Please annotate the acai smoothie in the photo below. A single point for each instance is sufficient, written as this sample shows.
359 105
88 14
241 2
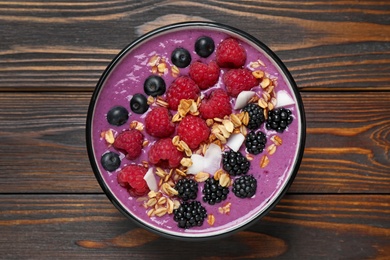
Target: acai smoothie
195 130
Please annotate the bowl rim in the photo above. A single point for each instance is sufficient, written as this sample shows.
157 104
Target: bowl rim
157 31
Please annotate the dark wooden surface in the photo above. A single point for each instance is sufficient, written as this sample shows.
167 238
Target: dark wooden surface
51 56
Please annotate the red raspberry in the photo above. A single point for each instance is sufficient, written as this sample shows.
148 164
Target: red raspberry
182 88
158 122
230 54
164 154
193 131
237 80
130 143
131 177
217 105
204 75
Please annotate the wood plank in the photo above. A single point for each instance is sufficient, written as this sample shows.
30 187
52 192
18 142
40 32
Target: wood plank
43 143
67 45
87 226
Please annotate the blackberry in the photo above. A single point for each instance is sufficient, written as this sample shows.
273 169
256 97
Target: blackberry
255 142
187 189
235 163
256 115
189 214
279 119
213 192
245 186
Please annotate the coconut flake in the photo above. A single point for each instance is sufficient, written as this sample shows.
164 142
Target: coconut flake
243 98
283 99
151 180
209 163
235 141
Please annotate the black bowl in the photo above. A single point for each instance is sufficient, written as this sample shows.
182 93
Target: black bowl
125 76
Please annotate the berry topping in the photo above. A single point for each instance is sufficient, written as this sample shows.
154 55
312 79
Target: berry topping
182 88
164 154
158 122
154 86
279 119
181 57
235 163
132 178
255 142
230 54
130 143
216 106
256 115
213 192
193 131
245 186
139 104
187 189
110 161
204 46
204 75
117 116
189 214
237 80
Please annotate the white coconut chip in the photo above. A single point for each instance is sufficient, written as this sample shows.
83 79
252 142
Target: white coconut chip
151 180
243 98
283 99
209 163
235 141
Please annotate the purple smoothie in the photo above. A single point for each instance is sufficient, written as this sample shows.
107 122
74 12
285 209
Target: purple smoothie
126 79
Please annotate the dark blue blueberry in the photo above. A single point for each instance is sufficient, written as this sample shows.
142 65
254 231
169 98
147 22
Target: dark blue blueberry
117 115
204 46
110 161
154 86
181 57
139 104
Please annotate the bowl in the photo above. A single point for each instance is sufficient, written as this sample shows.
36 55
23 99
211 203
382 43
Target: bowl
195 130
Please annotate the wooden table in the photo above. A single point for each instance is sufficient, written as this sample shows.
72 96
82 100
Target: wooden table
52 54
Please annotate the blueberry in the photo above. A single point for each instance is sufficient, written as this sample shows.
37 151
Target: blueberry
181 57
139 104
204 46
154 86
110 161
117 116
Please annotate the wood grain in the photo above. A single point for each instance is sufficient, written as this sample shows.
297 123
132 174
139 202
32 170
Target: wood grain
61 46
82 226
43 143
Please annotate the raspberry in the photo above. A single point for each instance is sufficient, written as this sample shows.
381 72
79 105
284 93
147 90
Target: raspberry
193 131
182 88
131 177
237 80
230 54
158 122
216 106
164 154
204 75
130 143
